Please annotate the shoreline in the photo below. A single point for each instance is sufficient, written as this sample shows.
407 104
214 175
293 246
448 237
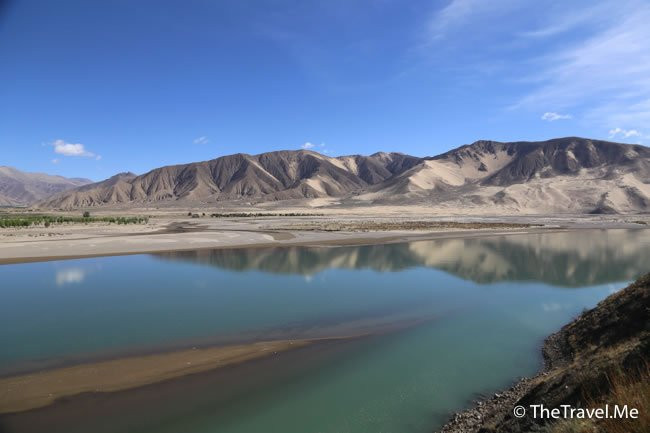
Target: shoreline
195 240
333 241
473 418
584 362
165 232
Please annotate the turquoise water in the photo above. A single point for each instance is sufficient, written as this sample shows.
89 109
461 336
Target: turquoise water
451 319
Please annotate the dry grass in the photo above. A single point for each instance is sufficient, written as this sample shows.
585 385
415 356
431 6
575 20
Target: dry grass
632 390
572 426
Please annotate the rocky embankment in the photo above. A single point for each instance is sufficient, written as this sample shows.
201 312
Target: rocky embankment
601 357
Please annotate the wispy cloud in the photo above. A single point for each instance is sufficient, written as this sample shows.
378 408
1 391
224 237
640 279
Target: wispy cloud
201 140
55 161
558 22
459 12
552 117
606 75
452 14
73 149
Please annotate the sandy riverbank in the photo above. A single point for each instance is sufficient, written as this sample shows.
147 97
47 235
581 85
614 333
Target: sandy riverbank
174 232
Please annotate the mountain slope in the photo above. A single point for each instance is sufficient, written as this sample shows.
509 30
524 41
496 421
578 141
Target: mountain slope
560 175
269 176
564 175
18 188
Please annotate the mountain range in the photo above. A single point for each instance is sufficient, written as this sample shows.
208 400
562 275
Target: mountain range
18 188
564 175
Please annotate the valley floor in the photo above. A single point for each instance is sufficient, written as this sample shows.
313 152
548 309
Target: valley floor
175 231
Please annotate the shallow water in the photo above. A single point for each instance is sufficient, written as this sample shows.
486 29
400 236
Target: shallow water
451 319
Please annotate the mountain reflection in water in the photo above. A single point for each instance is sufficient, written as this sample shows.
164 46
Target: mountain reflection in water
569 259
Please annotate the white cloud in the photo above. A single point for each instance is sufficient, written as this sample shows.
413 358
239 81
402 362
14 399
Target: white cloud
551 116
625 133
55 161
201 140
309 145
72 149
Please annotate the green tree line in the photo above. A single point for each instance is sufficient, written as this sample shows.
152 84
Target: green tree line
48 220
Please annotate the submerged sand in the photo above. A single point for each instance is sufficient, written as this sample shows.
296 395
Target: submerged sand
26 391
34 390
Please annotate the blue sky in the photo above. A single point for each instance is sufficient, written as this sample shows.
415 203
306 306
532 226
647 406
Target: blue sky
95 88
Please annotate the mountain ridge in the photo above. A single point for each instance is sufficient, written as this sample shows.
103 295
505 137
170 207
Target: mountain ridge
19 188
507 176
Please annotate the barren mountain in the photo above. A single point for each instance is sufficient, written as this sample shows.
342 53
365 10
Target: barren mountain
565 175
19 189
268 176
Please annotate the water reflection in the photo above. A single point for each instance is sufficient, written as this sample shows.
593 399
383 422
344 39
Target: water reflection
69 276
425 329
573 259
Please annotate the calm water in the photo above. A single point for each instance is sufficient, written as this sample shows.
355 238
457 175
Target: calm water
452 318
